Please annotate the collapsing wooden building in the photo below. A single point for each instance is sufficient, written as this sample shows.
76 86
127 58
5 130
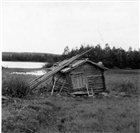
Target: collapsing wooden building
76 76
81 76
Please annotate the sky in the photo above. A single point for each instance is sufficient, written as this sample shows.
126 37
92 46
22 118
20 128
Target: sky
49 27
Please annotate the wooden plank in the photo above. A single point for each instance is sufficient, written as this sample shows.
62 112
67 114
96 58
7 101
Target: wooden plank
62 86
36 84
95 80
97 88
87 90
78 80
101 88
36 79
95 83
79 93
103 77
92 82
53 87
86 82
90 76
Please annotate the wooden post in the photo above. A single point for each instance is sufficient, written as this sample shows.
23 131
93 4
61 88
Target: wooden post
85 76
54 81
103 77
92 92
62 86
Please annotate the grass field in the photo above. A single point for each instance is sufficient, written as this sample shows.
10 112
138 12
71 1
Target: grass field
42 113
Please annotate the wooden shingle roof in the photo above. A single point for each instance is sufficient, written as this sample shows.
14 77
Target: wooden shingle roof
78 63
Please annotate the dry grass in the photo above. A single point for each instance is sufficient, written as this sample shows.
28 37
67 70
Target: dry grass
127 81
28 117
40 114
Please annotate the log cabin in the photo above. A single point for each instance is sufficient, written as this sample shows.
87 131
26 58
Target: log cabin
75 76
82 76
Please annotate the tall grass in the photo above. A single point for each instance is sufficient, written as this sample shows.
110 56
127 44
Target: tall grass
15 86
128 87
52 114
123 81
29 119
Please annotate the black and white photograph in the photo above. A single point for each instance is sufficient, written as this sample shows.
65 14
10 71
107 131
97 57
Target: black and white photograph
70 66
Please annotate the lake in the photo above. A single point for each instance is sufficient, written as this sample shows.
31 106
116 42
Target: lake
12 64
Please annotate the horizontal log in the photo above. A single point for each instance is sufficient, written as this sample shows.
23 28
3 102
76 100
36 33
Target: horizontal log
79 93
99 88
97 91
94 79
89 76
95 83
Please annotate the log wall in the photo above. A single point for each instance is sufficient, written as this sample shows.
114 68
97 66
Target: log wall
94 77
63 82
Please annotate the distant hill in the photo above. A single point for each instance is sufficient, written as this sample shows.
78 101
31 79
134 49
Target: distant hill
29 56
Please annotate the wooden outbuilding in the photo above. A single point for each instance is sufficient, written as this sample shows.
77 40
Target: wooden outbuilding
75 76
82 76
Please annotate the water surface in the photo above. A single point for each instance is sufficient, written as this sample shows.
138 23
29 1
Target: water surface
12 64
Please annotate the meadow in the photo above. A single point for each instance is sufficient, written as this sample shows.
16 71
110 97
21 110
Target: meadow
41 113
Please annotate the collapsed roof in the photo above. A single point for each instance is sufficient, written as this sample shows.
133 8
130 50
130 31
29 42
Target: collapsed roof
78 63
63 66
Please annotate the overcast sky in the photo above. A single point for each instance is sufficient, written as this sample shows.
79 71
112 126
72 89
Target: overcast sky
51 26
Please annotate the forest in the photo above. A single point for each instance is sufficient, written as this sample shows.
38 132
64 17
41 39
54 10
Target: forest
111 57
29 57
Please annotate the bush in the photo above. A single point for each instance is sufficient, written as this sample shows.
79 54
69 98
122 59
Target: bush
15 86
48 65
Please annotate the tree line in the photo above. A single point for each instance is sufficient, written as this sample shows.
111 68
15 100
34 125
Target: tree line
30 57
111 57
